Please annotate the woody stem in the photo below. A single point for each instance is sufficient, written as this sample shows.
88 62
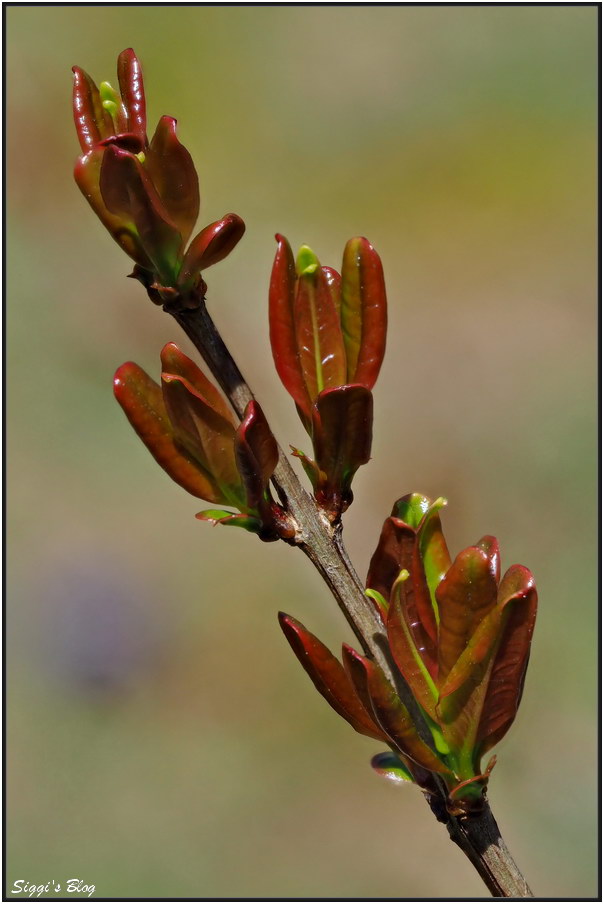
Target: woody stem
478 837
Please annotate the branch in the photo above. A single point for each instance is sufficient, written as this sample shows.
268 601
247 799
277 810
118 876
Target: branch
477 836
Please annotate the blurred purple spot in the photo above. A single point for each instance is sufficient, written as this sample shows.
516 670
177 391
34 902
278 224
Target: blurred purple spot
100 627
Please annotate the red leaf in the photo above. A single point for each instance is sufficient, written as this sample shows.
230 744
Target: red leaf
319 341
174 176
393 553
328 676
342 433
130 78
128 191
205 434
92 121
174 361
282 327
491 546
210 246
142 402
519 597
334 284
87 174
257 454
363 312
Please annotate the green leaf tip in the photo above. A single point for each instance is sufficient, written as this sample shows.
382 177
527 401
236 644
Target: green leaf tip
411 509
307 261
403 576
378 598
390 766
109 98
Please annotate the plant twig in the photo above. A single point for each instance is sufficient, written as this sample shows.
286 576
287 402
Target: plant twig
478 836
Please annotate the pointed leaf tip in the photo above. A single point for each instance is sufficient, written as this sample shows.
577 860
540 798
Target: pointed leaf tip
210 246
307 261
328 676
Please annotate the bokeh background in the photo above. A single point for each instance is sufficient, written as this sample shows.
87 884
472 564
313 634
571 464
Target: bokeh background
163 740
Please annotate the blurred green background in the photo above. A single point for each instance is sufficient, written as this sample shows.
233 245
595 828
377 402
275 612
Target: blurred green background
163 740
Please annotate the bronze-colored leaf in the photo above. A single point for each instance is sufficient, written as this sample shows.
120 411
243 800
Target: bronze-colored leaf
130 78
142 401
328 676
256 453
519 599
464 596
205 434
363 312
319 341
174 176
174 361
282 326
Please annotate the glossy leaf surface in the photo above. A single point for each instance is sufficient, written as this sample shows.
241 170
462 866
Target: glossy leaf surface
363 312
173 174
130 78
394 548
92 121
282 325
342 433
491 546
128 191
519 595
147 195
210 246
411 509
408 655
318 334
390 766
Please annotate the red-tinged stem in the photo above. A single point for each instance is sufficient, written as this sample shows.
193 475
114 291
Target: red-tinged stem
478 836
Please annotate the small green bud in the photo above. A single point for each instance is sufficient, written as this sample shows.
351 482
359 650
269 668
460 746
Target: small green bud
109 99
402 577
307 261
